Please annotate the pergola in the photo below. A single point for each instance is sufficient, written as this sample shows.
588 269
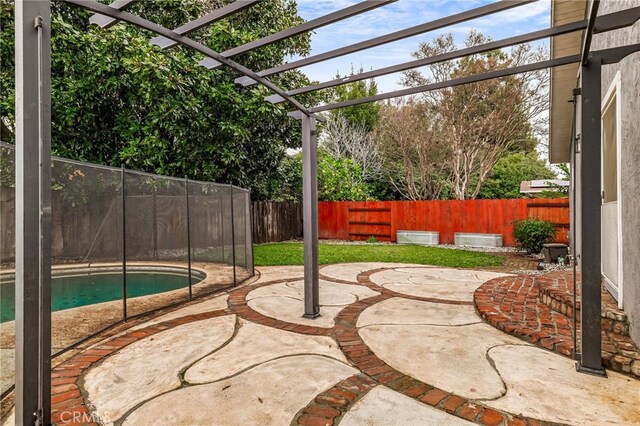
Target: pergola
33 150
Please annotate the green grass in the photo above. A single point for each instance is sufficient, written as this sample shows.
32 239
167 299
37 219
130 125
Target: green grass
292 254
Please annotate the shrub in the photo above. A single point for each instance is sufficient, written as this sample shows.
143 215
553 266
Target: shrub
372 240
532 234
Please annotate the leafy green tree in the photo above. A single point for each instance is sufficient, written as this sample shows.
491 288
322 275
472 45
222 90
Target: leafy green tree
341 180
565 171
510 171
555 190
360 115
289 184
118 99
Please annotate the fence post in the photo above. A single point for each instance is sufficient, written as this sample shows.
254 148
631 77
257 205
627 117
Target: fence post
124 245
248 237
221 205
186 186
233 237
155 225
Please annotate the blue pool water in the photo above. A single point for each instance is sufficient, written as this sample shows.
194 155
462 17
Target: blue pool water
75 291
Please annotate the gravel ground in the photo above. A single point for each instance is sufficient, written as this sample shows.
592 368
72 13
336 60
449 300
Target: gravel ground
482 249
448 246
350 243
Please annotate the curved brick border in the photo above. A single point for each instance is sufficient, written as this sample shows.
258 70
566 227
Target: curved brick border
328 407
555 293
66 399
512 304
363 358
364 278
239 305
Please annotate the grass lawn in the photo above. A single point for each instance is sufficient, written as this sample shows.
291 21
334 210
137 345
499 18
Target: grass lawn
292 254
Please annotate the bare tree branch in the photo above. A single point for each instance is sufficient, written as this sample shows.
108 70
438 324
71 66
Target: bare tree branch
342 139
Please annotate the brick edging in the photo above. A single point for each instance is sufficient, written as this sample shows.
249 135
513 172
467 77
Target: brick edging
328 407
364 278
239 305
364 359
66 399
512 304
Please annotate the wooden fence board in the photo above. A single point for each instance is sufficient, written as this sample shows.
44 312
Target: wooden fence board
276 221
382 219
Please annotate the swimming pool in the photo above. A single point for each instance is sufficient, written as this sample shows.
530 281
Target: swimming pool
72 291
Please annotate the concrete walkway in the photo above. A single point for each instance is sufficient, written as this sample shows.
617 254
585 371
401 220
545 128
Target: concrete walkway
395 345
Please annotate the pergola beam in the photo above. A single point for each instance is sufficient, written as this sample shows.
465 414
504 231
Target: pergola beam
208 19
104 21
616 20
437 24
602 24
456 54
452 83
616 54
586 40
322 21
100 8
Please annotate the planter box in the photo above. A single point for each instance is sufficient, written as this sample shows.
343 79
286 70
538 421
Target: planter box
477 240
423 238
553 251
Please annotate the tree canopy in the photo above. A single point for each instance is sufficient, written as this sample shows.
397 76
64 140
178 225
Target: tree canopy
365 115
510 171
339 179
482 121
116 99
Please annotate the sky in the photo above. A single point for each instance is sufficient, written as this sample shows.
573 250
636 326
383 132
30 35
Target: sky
400 15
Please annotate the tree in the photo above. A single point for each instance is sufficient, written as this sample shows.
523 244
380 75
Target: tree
343 139
510 171
414 151
339 179
365 115
117 99
484 120
289 184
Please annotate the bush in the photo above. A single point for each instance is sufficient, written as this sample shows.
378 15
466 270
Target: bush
532 234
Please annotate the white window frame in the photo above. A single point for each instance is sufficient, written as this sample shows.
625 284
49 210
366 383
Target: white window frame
615 90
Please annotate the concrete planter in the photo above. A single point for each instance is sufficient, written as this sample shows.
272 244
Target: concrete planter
423 238
477 240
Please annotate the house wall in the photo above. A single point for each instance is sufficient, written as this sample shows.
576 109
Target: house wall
630 159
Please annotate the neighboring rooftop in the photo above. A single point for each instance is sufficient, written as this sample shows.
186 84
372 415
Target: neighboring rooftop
538 186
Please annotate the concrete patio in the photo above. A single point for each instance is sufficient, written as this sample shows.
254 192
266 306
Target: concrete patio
396 344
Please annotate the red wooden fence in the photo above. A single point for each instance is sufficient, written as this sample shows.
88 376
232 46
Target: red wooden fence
382 219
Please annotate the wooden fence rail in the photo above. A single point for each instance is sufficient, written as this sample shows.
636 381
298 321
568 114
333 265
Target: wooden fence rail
382 219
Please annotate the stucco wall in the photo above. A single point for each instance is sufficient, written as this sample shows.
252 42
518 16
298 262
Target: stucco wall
630 159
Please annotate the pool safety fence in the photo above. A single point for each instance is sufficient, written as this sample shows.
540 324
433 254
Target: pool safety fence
160 241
